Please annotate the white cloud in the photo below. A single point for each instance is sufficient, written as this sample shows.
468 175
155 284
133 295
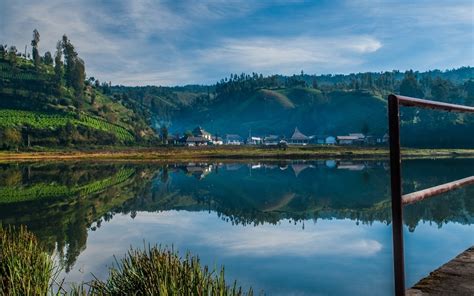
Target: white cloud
290 55
335 237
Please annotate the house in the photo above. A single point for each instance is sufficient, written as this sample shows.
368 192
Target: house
370 140
200 132
217 141
320 140
330 140
298 138
233 140
196 141
271 140
200 171
172 139
347 140
358 135
254 140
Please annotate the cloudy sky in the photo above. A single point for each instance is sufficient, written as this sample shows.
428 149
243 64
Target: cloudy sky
143 42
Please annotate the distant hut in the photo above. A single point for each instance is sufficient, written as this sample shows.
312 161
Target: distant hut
200 132
298 138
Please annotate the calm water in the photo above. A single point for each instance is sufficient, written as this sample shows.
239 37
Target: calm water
289 228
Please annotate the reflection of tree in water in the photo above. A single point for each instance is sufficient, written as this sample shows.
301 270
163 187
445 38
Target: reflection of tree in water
238 194
365 198
61 223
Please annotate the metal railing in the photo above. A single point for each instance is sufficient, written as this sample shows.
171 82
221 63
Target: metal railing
398 199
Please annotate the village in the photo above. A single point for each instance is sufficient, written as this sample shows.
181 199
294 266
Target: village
200 137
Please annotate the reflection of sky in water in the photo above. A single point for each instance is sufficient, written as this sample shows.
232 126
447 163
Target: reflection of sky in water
336 257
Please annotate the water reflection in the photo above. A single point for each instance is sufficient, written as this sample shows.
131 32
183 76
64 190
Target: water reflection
63 203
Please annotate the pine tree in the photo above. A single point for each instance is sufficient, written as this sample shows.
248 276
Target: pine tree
34 45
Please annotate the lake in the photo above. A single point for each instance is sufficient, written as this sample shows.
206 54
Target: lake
284 228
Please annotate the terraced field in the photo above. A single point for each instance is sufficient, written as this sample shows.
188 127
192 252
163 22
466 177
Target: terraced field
47 191
43 120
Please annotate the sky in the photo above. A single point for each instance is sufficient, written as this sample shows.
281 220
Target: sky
145 42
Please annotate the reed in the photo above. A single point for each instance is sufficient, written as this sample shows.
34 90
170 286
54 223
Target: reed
160 271
25 269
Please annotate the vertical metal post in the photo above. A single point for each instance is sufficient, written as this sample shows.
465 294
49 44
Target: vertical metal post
396 186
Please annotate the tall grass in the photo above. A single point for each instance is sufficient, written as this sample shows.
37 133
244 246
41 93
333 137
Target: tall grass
25 269
160 271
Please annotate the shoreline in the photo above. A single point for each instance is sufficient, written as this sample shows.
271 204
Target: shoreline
231 153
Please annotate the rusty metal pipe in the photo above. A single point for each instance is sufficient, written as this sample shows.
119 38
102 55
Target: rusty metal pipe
396 189
429 192
414 102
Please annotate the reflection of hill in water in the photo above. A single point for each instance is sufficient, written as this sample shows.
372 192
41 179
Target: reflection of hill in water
248 194
61 218
258 193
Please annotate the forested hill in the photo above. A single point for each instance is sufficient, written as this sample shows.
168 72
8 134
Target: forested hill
48 101
317 105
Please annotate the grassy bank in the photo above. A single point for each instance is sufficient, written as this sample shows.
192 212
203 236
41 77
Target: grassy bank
225 152
26 269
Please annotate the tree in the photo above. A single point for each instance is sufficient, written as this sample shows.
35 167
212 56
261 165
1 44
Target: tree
48 59
365 128
58 66
34 45
11 137
70 58
440 89
164 134
3 52
12 54
78 78
410 86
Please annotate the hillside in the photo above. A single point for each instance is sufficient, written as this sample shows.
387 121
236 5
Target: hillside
38 106
329 105
51 102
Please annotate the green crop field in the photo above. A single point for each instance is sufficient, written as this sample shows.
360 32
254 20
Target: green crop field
43 120
47 191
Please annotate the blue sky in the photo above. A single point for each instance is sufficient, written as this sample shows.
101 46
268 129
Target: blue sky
143 42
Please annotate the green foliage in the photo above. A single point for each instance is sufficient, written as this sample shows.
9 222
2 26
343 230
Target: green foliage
43 120
13 194
34 45
10 138
25 269
160 271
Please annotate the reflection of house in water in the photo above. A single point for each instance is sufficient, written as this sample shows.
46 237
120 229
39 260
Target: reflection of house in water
199 171
255 166
331 163
233 166
347 165
299 167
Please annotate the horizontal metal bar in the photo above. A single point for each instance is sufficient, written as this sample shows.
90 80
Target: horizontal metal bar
414 102
422 194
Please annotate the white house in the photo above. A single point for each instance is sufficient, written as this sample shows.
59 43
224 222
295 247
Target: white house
271 140
200 132
254 140
217 141
233 140
347 140
196 141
